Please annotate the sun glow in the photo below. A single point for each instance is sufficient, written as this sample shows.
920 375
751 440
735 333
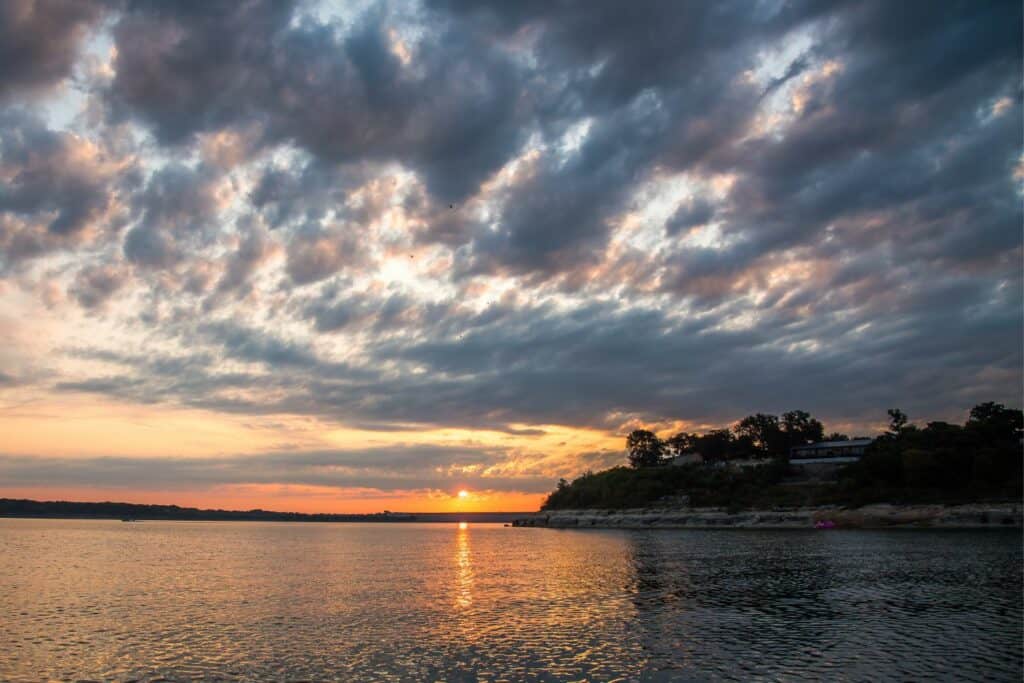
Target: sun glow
463 494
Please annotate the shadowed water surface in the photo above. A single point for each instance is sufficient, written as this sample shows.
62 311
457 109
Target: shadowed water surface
275 601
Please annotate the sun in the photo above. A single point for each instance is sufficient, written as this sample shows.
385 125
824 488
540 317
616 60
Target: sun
463 494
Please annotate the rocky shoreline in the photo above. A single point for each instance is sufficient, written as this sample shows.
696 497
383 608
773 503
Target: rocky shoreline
882 516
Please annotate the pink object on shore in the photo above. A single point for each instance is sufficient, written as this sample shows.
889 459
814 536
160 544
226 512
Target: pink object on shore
825 524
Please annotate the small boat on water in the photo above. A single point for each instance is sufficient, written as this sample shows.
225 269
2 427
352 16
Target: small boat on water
129 519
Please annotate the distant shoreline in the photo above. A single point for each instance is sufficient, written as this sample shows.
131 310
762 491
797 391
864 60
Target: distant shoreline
33 509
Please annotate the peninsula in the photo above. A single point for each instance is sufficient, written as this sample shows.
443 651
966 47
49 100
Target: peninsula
783 472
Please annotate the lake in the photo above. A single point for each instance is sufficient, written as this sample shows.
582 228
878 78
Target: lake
352 602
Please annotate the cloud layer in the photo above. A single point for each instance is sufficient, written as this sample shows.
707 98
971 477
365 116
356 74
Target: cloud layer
501 217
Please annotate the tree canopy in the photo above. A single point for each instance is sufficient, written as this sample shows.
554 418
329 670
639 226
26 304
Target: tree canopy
645 448
755 436
982 455
940 462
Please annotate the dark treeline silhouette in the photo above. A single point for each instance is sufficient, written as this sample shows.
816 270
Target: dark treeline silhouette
755 436
10 507
983 456
940 462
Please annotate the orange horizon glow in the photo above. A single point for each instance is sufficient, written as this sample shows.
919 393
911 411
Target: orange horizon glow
73 426
225 499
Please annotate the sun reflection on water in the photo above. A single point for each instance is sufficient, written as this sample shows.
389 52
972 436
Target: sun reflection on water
464 568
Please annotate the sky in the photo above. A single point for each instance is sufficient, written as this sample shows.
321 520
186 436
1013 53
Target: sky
361 256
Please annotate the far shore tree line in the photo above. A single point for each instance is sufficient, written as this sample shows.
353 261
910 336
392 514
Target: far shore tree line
939 462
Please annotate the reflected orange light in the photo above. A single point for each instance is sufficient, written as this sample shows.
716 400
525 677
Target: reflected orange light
464 568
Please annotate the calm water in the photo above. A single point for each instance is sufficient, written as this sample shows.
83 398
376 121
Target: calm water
213 600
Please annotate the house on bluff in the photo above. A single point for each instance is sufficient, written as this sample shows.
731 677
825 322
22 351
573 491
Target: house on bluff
832 452
823 460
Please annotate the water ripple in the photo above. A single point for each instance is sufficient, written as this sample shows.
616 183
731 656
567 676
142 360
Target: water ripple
95 600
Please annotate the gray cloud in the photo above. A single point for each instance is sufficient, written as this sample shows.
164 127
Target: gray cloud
173 212
318 254
94 285
537 365
663 85
344 99
57 188
253 250
39 40
895 135
394 468
690 214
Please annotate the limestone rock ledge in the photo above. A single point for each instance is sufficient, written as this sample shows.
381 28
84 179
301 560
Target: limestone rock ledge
974 516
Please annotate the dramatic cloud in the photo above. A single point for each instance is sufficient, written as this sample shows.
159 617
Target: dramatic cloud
348 98
485 237
60 189
39 40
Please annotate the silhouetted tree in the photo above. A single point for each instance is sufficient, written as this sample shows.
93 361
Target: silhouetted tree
645 448
681 443
762 431
801 429
996 421
716 445
837 436
982 457
897 420
742 447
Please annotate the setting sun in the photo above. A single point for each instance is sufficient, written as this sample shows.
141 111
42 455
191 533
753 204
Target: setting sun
463 494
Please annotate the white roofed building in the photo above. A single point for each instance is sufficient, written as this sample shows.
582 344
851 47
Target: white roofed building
836 452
